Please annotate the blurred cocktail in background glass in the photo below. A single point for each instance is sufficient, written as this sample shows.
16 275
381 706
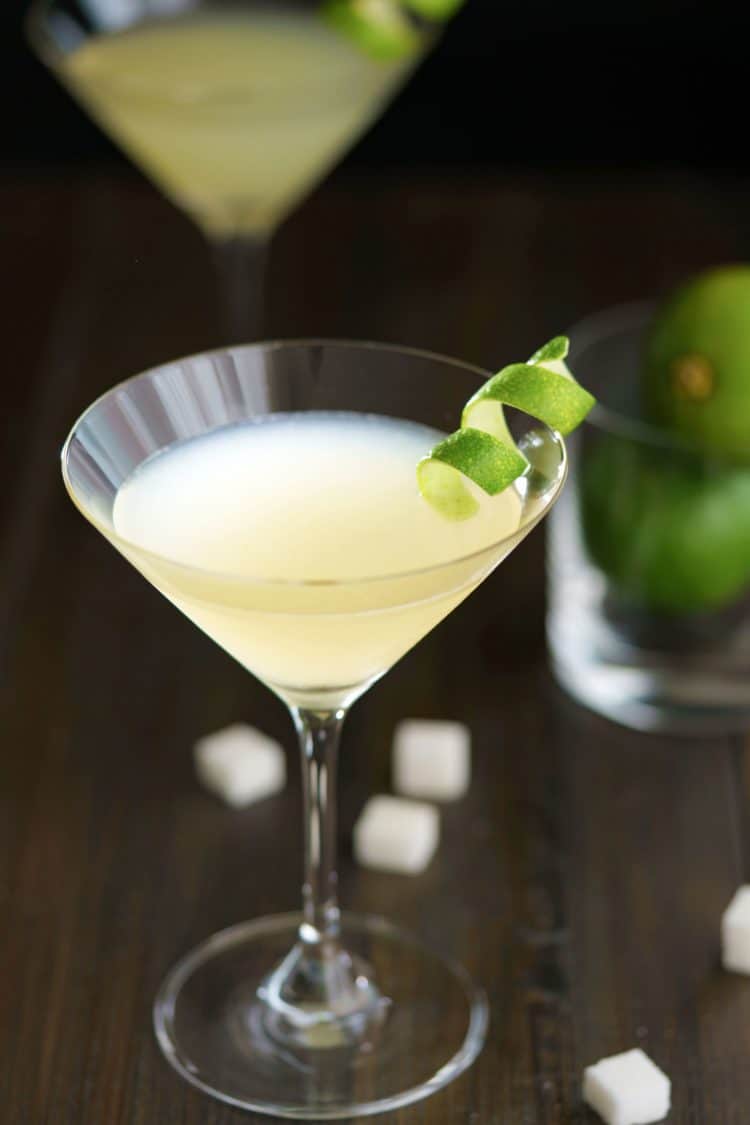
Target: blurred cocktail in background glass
235 110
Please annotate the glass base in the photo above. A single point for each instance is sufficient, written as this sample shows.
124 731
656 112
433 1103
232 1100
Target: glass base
217 1031
673 679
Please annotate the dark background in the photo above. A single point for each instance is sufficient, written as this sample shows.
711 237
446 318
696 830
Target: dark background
515 83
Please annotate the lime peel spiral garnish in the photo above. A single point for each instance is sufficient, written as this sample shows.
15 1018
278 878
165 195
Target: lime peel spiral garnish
434 9
483 450
386 29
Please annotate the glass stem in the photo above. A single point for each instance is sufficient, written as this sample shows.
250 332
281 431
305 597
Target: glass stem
319 735
241 264
319 995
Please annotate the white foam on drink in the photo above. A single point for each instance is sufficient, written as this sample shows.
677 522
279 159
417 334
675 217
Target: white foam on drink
301 497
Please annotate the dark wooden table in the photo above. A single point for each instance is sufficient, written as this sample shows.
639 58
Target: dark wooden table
583 878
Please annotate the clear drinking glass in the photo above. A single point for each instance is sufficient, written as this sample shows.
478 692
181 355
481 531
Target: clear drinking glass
234 108
648 557
314 1015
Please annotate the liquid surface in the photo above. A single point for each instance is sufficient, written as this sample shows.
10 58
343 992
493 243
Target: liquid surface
234 112
300 498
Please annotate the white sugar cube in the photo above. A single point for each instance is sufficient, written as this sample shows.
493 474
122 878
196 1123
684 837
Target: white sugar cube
431 758
240 764
735 933
396 835
627 1089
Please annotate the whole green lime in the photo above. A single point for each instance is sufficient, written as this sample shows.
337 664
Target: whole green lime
696 371
671 532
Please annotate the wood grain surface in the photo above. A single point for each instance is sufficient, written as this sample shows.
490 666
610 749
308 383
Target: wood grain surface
583 878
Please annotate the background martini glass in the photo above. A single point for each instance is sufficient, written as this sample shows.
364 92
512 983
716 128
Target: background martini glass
234 109
269 492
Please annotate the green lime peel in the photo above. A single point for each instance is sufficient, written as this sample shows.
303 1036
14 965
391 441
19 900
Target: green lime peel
483 450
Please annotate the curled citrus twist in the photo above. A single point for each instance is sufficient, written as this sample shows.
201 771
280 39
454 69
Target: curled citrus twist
387 29
483 450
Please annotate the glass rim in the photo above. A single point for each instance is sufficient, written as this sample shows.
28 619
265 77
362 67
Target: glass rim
598 328
38 34
321 583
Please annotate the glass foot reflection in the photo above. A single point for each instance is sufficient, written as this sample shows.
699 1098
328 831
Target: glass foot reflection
217 1026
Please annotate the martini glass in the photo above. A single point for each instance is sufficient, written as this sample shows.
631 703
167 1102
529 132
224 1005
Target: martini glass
281 560
234 109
